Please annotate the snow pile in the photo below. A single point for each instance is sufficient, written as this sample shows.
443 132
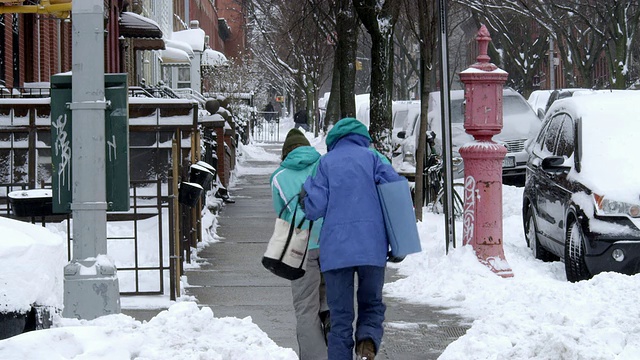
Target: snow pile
182 332
32 261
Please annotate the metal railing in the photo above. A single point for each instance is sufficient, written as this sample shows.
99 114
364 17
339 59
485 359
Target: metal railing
150 201
265 126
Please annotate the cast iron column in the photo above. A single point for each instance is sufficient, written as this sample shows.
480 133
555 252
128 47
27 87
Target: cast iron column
483 159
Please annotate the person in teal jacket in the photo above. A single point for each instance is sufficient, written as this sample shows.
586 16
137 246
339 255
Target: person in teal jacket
299 161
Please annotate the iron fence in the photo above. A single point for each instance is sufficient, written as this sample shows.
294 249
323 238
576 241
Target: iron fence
265 126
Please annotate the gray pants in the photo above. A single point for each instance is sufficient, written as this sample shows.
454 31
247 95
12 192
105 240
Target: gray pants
309 299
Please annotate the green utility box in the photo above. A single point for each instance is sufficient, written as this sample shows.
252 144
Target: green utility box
116 142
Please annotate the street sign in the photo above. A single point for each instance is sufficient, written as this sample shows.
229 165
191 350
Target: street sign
117 142
280 98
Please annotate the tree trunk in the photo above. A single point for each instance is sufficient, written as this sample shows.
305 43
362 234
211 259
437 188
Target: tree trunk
333 104
347 29
427 25
310 102
372 16
381 91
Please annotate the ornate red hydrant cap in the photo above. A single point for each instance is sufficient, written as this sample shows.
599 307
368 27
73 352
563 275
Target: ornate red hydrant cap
484 82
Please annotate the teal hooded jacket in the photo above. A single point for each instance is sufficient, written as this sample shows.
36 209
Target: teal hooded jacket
286 183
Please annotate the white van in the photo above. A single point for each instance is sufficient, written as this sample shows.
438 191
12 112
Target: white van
519 123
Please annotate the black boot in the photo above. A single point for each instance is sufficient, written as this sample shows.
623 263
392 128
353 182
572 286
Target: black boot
325 320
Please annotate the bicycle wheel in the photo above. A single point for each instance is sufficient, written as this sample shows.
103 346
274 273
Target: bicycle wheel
458 203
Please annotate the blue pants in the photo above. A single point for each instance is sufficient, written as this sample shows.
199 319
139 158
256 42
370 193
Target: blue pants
340 286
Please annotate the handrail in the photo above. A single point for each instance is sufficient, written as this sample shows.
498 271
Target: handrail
60 10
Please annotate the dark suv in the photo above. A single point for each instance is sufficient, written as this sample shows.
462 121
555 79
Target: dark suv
581 199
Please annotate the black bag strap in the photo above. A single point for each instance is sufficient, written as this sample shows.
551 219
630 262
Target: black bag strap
293 220
287 205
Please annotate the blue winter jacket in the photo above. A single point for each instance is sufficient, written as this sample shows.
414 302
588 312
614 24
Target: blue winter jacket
286 183
344 193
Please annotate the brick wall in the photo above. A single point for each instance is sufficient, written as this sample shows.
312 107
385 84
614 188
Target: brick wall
8 48
38 48
233 12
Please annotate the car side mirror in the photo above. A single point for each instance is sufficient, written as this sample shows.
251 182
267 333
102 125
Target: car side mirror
554 164
402 134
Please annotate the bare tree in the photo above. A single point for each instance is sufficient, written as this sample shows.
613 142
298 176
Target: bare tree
289 46
423 14
347 25
407 55
379 18
586 33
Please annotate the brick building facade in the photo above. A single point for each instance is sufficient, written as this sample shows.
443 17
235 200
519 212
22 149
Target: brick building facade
36 46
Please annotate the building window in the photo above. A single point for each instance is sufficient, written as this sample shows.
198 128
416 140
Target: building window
184 78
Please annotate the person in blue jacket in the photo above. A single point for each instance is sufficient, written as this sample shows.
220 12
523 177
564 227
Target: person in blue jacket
353 239
299 160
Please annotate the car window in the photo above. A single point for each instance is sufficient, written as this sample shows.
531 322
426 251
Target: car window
551 133
539 141
457 111
566 137
540 137
515 105
400 118
410 125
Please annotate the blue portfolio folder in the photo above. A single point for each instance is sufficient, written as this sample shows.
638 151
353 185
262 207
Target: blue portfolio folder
399 218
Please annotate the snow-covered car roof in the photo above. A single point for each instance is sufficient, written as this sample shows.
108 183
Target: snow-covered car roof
610 127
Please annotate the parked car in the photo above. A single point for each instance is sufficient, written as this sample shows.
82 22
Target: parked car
565 93
538 101
581 199
406 114
519 124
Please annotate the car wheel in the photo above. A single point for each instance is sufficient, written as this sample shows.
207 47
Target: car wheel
574 264
531 236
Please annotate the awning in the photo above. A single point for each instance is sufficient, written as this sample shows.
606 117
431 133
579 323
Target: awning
174 57
147 44
213 58
180 45
133 25
193 37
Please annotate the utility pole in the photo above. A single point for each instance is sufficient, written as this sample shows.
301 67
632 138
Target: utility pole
552 65
90 280
450 234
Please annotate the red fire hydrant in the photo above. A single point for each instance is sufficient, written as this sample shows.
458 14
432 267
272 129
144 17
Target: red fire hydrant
483 159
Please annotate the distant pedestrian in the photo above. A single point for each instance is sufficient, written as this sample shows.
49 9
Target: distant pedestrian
299 160
269 112
353 238
300 120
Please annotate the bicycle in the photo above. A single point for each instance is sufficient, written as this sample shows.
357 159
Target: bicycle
434 182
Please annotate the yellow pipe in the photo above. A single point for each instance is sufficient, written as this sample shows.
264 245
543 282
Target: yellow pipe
59 10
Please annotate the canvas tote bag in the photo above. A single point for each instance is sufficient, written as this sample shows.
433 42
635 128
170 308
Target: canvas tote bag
286 252
399 219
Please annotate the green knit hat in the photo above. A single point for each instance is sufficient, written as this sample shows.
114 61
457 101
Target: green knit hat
295 138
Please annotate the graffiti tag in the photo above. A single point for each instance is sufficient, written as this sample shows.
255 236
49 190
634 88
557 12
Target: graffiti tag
468 217
62 149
